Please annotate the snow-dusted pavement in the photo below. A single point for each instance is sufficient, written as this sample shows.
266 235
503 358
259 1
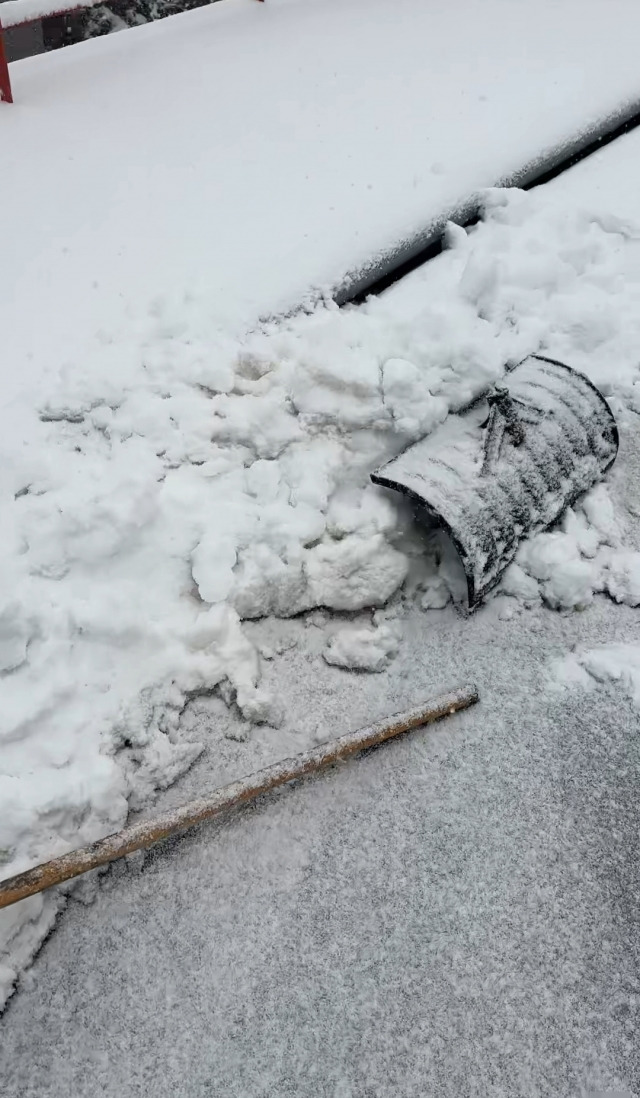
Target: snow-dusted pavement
170 471
455 914
452 915
181 492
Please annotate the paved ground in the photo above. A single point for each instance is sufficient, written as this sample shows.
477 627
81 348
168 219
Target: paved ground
455 914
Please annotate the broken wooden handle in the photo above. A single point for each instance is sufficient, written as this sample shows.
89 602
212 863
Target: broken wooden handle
148 832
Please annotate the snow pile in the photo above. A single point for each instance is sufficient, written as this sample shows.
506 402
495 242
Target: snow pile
569 565
189 480
563 281
368 648
315 167
613 663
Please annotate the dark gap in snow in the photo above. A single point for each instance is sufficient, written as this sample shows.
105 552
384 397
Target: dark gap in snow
431 243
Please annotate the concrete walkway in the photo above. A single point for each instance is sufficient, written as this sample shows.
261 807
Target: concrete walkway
455 914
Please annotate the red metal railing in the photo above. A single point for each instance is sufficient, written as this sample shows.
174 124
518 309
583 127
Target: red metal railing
33 16
5 82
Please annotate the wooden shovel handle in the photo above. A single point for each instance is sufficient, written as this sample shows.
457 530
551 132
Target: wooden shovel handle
144 834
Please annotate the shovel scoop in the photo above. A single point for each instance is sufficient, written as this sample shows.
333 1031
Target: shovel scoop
509 466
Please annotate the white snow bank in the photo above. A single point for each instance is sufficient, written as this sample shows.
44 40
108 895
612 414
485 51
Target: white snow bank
189 481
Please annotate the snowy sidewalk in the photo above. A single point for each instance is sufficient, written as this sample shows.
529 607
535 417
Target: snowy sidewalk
452 915
166 475
248 153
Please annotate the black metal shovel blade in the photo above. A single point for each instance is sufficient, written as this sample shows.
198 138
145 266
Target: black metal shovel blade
509 466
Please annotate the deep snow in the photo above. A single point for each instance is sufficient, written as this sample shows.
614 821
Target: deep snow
165 475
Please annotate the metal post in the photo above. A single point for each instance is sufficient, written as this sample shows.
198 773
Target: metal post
5 82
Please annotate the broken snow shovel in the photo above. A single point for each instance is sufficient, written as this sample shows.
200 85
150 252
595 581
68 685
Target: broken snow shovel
140 836
508 466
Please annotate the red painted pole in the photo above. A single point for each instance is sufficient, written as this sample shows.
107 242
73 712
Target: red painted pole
5 82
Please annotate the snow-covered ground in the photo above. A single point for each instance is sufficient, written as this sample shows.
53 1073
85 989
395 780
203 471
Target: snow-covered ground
606 182
255 502
15 12
451 916
248 154
169 474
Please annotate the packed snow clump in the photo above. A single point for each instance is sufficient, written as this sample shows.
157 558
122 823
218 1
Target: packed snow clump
364 648
567 566
436 593
179 481
617 664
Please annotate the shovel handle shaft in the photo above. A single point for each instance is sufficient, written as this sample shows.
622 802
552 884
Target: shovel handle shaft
147 832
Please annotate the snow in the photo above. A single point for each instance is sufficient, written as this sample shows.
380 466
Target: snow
613 663
172 511
606 182
170 470
364 649
436 595
454 907
15 12
313 167
567 566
